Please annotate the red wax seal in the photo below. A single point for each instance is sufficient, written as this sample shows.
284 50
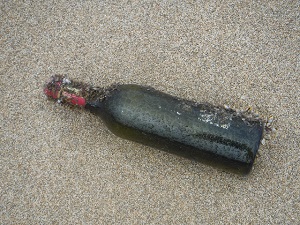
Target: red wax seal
74 99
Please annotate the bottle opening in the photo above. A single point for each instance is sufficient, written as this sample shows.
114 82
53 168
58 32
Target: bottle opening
59 88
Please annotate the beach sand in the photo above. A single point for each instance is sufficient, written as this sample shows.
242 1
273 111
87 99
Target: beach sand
63 166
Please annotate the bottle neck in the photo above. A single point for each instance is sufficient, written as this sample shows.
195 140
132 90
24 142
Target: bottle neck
74 93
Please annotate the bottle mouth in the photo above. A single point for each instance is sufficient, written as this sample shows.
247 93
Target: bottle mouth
53 87
62 89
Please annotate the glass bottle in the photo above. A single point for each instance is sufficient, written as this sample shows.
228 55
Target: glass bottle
210 134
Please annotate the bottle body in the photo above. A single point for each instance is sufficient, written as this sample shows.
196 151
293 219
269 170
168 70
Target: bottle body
202 132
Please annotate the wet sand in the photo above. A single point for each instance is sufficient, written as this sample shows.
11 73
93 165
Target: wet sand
62 166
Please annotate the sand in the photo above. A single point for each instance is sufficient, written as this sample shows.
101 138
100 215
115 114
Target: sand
62 166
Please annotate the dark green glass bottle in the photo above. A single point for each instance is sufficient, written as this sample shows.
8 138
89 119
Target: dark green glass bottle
205 133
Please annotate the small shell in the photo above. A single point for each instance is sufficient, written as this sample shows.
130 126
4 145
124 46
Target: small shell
249 109
270 120
226 107
66 81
